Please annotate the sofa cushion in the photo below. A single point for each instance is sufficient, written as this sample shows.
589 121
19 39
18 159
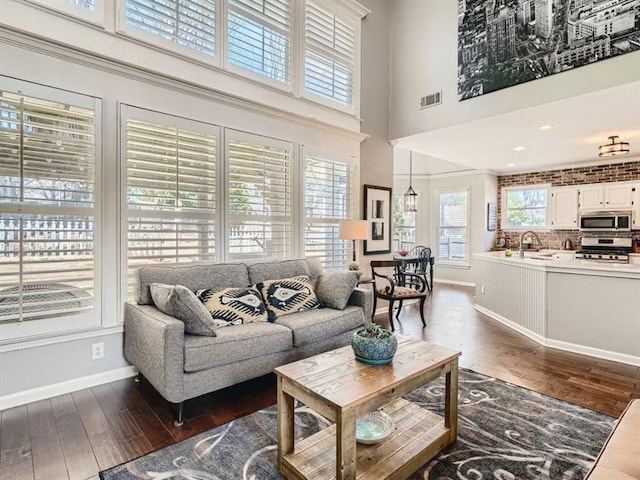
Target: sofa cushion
194 276
335 288
288 295
620 456
314 325
231 345
233 306
181 303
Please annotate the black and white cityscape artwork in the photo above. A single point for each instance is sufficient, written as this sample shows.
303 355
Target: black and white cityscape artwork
506 42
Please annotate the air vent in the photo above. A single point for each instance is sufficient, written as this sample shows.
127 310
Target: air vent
431 100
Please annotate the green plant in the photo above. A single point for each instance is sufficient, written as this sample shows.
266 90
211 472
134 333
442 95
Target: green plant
353 266
374 330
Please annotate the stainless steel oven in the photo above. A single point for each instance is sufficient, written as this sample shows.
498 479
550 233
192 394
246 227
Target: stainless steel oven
605 221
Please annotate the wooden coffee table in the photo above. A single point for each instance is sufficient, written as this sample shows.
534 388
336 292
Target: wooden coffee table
342 389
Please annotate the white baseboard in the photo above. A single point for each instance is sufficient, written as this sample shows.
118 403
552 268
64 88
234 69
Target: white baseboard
48 391
560 345
454 282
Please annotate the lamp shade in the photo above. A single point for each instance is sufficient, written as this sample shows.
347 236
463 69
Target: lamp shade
353 229
613 148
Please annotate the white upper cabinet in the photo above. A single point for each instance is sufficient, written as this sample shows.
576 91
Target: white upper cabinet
618 196
591 197
610 196
564 208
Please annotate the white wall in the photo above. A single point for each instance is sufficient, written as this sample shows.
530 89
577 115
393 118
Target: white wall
424 60
483 189
376 154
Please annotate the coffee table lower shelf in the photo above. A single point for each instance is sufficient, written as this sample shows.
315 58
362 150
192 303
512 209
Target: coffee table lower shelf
420 435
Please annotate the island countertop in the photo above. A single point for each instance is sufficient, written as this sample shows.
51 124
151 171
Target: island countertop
553 261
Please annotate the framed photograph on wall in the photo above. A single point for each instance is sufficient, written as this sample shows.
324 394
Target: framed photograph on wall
492 216
377 212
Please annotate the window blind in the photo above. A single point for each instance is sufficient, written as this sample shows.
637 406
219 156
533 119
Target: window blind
171 191
190 24
259 37
259 197
47 210
328 198
89 10
329 55
453 210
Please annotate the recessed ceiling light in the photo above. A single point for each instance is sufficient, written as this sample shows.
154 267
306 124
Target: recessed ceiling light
519 148
511 164
546 127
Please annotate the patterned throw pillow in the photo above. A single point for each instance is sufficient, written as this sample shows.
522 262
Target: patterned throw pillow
288 295
233 306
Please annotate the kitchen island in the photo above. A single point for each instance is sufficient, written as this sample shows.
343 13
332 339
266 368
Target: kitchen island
575 305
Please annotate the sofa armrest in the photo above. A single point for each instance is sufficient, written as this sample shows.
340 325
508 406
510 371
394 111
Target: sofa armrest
363 297
154 344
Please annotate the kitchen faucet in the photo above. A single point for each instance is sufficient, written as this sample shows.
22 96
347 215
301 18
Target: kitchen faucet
521 250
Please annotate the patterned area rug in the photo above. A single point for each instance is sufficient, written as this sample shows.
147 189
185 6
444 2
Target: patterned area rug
505 433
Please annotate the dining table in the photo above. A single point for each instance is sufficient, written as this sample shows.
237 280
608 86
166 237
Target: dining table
413 262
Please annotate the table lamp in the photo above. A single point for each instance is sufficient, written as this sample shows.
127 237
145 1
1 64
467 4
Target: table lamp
353 230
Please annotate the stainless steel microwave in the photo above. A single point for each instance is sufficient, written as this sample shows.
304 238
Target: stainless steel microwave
605 221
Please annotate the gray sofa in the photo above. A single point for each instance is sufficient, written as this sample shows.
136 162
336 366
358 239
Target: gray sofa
182 366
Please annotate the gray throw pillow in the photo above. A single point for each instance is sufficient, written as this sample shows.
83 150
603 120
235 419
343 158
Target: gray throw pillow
182 303
335 288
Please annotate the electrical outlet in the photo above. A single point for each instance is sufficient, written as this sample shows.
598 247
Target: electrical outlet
97 351
482 289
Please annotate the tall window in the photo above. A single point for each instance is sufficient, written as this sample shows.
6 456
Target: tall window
330 62
259 197
328 198
259 37
47 210
89 10
404 225
186 25
525 207
171 189
453 225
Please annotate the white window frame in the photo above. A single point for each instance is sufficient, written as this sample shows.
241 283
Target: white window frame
287 86
295 182
17 332
338 10
503 207
436 252
353 163
129 111
95 16
164 44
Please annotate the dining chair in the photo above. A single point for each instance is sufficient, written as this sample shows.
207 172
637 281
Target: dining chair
419 266
388 289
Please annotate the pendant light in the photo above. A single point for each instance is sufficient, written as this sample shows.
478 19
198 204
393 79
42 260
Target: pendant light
410 196
614 148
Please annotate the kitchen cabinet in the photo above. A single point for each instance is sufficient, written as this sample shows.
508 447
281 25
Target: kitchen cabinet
564 208
612 196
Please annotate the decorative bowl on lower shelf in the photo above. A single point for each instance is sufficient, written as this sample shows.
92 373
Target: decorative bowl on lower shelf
374 427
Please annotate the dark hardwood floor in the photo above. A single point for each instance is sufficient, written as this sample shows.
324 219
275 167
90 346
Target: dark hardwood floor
74 436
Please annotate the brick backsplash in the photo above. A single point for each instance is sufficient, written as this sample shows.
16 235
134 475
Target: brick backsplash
616 172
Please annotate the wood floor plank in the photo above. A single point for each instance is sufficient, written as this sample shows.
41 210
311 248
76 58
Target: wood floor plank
132 441
106 448
48 457
78 453
63 405
15 443
108 400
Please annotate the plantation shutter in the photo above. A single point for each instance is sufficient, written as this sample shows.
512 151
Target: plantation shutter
190 24
329 55
453 210
328 194
89 10
47 211
259 197
171 191
259 37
